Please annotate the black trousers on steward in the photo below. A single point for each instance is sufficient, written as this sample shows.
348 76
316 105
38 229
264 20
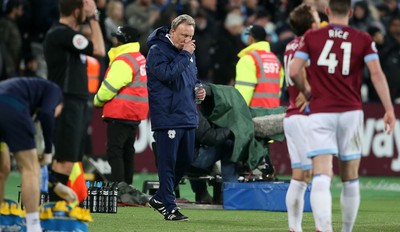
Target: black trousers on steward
120 150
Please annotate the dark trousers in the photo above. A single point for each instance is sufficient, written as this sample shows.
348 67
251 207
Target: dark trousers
174 150
120 150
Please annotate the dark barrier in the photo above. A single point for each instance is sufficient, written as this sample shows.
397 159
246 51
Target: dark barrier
380 151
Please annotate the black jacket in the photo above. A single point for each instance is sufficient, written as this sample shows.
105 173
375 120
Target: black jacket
209 134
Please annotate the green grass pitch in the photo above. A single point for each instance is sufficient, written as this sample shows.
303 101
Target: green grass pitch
379 211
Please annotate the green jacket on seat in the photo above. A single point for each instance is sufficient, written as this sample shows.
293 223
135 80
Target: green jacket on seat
230 110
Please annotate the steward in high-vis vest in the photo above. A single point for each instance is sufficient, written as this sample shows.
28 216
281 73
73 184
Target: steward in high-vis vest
259 74
124 98
93 72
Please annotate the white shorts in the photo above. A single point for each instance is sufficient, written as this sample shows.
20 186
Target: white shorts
337 134
296 128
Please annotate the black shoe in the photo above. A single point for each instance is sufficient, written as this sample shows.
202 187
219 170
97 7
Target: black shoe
158 205
175 215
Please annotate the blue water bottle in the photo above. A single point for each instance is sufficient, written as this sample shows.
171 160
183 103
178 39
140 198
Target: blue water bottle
44 185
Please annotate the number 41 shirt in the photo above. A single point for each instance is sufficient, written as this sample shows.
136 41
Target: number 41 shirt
337 54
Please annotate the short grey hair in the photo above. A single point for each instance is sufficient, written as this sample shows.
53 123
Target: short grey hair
187 19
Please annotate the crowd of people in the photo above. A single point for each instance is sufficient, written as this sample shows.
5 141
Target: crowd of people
219 31
171 46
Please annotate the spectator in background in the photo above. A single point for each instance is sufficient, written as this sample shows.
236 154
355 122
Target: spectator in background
382 10
31 66
249 11
123 96
172 75
210 7
390 58
114 19
191 7
64 48
43 14
101 6
378 36
282 10
20 100
168 11
390 9
284 35
225 49
361 18
142 14
207 9
11 36
204 37
264 19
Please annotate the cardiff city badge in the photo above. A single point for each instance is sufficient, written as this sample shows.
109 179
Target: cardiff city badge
171 134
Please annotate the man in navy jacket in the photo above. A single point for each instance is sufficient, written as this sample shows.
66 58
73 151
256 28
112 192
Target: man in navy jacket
172 76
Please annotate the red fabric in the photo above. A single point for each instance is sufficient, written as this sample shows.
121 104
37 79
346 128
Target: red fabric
125 108
271 68
77 181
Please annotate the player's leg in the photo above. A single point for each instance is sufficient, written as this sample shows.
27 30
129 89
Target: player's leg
4 168
320 197
17 130
295 200
28 165
7 116
296 137
323 145
350 195
349 138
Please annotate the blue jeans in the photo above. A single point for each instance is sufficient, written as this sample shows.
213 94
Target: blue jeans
207 157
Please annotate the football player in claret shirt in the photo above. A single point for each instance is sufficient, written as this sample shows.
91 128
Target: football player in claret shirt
295 123
337 54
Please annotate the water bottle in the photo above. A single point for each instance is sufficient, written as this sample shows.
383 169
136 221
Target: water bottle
44 185
113 198
100 197
85 203
197 87
106 198
94 192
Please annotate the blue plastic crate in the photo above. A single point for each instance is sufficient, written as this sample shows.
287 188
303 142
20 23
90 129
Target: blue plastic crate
269 196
